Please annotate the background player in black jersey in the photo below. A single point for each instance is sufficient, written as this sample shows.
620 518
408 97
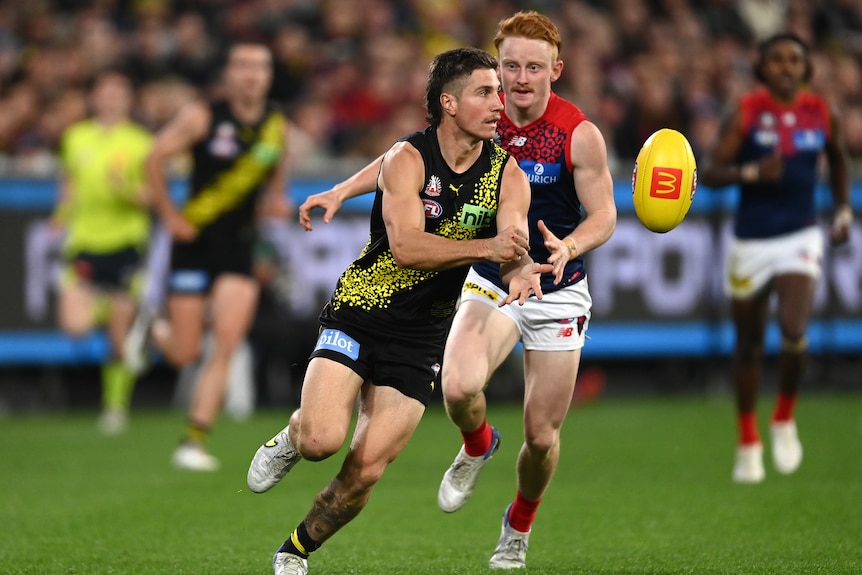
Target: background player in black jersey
446 198
239 150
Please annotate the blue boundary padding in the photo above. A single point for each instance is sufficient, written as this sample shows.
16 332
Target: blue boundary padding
607 340
28 194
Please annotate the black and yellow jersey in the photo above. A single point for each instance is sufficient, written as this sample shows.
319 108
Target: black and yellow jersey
375 292
232 164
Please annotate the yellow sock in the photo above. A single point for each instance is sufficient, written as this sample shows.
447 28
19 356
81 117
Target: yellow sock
196 433
117 385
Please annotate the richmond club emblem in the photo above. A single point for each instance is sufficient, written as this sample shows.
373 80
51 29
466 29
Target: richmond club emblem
434 187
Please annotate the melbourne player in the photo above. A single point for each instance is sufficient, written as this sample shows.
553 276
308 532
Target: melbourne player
771 144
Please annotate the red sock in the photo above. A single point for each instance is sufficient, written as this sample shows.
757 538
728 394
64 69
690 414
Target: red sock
784 406
748 428
477 442
522 513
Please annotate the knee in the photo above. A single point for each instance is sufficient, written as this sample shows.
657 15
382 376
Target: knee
797 344
182 356
317 446
75 327
541 440
461 387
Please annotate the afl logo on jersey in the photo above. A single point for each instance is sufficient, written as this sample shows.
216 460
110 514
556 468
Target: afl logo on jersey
433 188
433 210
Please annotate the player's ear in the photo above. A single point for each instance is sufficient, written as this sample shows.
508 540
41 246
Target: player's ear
448 103
557 70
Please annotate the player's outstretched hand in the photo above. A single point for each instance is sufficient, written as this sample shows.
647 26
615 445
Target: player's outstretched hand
509 245
559 251
329 200
526 282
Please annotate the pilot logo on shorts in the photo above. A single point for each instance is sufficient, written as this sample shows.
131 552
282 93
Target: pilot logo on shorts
335 340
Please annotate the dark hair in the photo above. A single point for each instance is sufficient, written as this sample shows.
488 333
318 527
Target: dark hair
766 46
228 49
449 67
107 72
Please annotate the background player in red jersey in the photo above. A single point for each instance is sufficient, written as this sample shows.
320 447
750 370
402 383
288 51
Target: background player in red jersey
771 144
565 158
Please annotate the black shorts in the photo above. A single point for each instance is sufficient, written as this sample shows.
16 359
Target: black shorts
195 265
113 271
410 366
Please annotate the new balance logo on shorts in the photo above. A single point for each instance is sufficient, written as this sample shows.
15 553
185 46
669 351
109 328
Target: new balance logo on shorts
568 330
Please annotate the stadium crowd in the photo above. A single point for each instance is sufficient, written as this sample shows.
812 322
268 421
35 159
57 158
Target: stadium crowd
349 73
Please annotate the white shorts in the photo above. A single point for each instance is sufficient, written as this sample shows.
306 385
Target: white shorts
557 322
751 264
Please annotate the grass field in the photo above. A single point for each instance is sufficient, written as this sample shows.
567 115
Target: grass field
643 488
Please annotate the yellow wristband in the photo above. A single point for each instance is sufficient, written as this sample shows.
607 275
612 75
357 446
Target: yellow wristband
573 248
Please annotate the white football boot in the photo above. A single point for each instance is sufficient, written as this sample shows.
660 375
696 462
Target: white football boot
193 457
460 479
511 551
786 448
271 462
748 467
289 564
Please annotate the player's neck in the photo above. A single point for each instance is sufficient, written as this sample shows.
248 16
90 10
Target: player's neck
521 117
459 149
246 110
109 121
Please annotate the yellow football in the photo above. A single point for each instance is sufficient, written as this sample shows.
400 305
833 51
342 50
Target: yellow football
664 180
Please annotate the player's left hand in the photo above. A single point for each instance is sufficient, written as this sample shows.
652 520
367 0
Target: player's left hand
559 251
840 230
526 282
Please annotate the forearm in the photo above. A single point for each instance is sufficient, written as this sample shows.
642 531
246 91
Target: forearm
158 187
362 182
428 252
718 176
592 232
839 183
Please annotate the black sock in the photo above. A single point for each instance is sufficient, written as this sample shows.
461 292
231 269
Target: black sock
299 543
195 432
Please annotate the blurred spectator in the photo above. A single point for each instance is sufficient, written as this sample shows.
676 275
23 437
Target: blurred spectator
293 63
194 58
631 64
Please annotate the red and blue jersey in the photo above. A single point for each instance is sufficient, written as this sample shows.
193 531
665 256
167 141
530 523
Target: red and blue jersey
800 132
543 150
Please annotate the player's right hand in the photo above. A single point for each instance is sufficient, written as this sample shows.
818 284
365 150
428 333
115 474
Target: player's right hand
771 168
328 200
509 245
179 227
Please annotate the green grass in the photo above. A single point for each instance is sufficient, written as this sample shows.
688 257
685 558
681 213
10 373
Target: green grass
643 488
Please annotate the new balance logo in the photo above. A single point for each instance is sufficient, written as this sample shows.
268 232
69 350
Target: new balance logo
518 141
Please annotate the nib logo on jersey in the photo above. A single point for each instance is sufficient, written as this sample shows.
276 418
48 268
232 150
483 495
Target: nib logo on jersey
541 173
